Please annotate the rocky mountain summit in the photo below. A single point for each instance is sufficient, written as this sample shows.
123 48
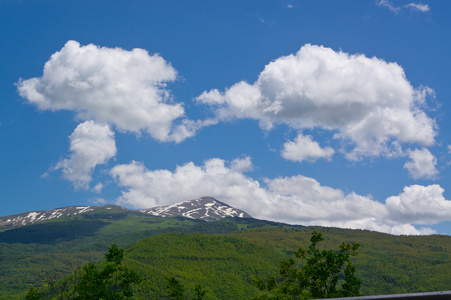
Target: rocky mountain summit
205 208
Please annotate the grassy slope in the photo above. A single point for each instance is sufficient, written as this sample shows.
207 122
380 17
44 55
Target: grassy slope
222 265
386 264
60 245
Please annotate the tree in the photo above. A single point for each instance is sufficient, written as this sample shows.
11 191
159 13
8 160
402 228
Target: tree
111 282
33 294
323 274
176 290
114 281
199 292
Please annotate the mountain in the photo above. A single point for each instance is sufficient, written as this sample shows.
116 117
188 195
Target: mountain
222 256
205 208
43 215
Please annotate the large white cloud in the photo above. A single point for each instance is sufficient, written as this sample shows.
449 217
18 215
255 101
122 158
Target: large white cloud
422 164
111 85
420 204
296 200
367 102
91 144
304 148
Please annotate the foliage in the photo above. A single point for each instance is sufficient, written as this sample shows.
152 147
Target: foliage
113 281
199 292
319 277
176 290
224 264
33 294
29 253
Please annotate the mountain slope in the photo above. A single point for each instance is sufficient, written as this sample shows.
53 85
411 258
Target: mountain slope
43 215
205 208
386 264
223 265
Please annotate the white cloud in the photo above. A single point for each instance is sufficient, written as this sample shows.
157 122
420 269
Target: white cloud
367 102
295 200
388 5
419 7
98 201
149 188
304 148
241 165
422 164
91 144
419 204
395 9
114 86
97 188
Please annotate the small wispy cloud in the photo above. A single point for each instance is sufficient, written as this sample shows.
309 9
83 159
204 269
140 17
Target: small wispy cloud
395 9
418 6
98 188
264 21
388 5
98 201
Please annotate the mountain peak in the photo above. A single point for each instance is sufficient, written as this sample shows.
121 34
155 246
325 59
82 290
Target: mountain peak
204 208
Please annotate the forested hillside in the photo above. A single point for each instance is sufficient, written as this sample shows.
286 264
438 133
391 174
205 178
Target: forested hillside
222 256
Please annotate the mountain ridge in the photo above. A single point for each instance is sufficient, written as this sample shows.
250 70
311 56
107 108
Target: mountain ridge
204 208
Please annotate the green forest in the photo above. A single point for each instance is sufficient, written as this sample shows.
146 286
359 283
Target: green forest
224 257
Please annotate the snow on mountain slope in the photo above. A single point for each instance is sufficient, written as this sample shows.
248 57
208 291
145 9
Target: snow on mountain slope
43 215
205 208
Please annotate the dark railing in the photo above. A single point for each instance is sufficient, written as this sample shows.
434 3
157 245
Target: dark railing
420 296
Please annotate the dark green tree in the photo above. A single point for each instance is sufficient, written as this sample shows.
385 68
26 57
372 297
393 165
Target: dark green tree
322 274
175 288
113 281
199 292
33 294
110 280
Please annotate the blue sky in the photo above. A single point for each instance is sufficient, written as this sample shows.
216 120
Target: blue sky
326 113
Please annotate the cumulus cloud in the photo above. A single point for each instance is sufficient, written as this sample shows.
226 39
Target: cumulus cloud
149 188
114 86
295 200
420 204
304 148
91 144
368 103
422 164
